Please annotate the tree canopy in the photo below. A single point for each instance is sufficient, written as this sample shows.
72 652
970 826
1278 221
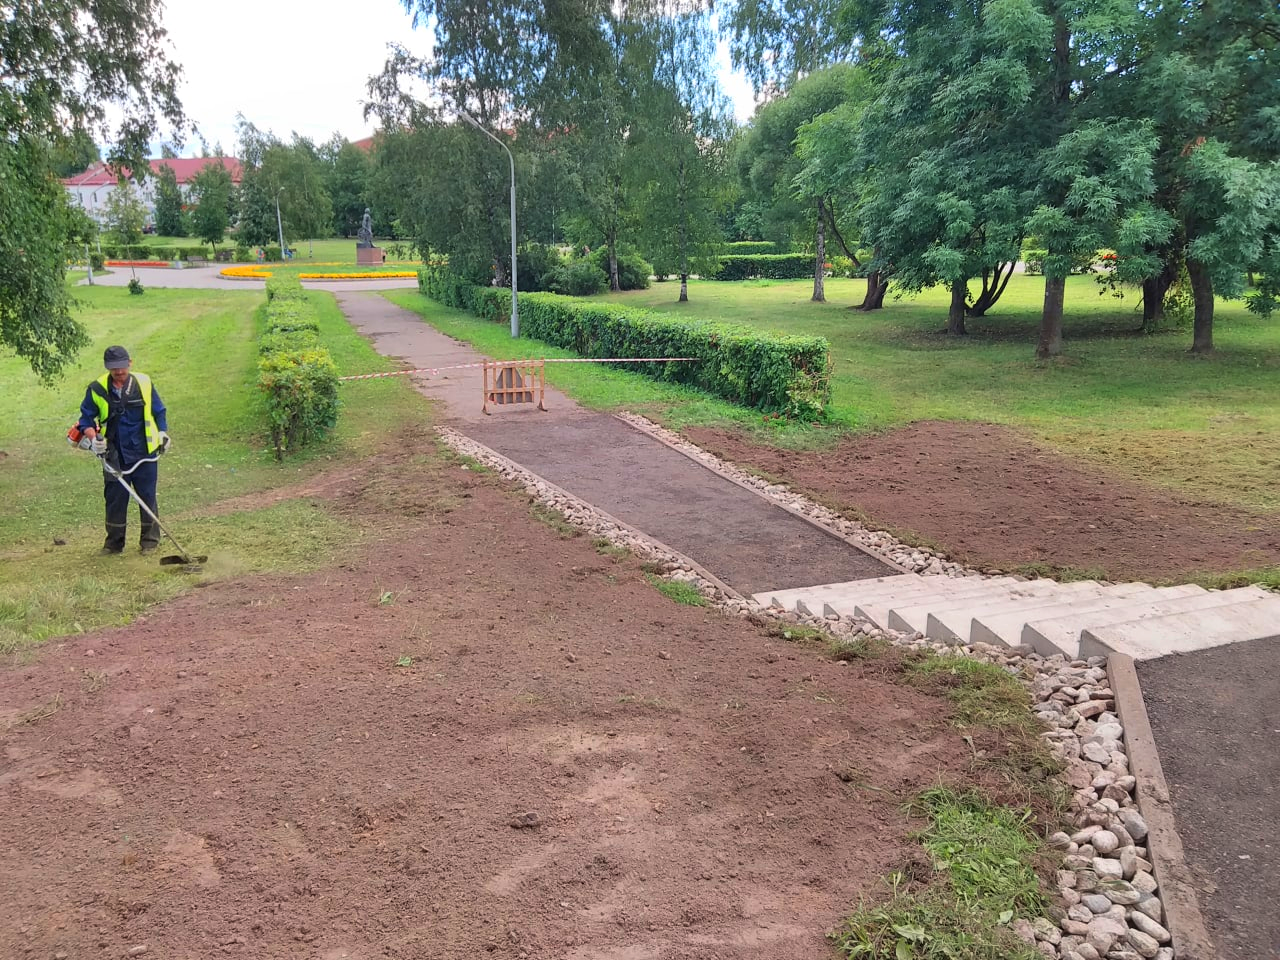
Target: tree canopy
65 63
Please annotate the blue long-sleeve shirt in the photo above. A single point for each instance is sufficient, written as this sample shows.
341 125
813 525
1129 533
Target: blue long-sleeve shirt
129 434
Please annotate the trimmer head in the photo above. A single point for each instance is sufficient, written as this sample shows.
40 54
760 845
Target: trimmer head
190 563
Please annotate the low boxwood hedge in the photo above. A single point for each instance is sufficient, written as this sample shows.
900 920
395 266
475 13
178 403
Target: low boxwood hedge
295 370
771 372
771 266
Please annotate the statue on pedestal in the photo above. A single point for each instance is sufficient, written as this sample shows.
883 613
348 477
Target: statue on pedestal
364 239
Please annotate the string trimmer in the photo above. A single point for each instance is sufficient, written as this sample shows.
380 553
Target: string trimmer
182 558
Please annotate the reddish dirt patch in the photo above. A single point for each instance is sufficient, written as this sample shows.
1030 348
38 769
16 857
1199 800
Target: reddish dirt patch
247 772
991 498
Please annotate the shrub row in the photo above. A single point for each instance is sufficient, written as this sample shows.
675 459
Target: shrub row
140 251
787 374
295 371
747 248
771 266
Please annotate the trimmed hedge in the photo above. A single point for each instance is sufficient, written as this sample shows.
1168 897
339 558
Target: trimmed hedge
295 371
748 248
771 266
774 373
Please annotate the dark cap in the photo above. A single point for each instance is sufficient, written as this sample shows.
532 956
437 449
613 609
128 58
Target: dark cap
115 358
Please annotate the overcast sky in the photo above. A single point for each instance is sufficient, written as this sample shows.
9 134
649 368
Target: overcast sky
301 65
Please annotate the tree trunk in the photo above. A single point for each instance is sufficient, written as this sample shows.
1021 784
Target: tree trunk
877 286
684 288
993 287
1050 344
1154 290
820 258
1202 294
955 317
882 288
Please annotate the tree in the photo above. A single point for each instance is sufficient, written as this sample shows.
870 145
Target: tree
74 154
1207 77
347 182
769 165
169 201
66 62
211 190
125 214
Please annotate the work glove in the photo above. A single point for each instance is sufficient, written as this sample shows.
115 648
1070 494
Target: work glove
164 442
86 443
98 446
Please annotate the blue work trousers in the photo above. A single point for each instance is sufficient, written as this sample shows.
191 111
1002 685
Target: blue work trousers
143 480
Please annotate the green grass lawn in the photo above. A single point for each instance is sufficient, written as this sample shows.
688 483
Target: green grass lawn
199 346
1140 404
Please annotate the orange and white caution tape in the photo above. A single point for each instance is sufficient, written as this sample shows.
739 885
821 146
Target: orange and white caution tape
435 371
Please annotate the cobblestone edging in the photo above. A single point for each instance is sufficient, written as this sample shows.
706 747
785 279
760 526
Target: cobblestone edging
1108 902
914 559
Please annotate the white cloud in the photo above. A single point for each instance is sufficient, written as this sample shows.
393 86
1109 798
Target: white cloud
302 65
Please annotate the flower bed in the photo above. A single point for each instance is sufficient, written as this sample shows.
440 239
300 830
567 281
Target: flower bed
144 263
260 272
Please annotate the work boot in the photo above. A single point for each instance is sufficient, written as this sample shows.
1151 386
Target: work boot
110 551
148 547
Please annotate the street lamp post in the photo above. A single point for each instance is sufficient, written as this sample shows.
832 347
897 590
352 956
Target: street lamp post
280 224
515 307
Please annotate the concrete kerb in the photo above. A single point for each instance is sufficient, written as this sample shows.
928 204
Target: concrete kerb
491 457
726 475
1164 848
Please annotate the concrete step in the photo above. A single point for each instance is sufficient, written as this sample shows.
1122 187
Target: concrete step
1063 633
1008 629
1160 636
953 624
877 610
913 615
787 598
845 600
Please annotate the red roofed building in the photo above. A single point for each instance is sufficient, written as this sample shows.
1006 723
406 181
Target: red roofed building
91 188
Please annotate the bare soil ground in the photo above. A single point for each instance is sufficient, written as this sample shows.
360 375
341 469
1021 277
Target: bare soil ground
991 498
565 765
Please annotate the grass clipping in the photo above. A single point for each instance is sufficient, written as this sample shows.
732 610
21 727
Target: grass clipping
982 877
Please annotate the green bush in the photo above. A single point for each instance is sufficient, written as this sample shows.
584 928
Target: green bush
96 261
773 266
164 253
271 253
747 248
295 371
135 286
789 374
110 251
633 270
535 263
582 278
188 253
243 255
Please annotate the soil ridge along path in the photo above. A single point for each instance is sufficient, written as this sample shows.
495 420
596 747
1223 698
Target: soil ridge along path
742 538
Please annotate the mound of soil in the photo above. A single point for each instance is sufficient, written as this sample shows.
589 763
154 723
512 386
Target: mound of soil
990 498
472 739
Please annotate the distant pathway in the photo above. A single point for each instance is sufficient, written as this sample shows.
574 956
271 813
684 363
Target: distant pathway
210 278
740 537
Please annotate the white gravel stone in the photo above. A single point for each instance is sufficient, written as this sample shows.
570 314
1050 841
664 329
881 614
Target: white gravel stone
1096 903
1151 907
1134 823
1105 842
1128 862
1148 926
1108 869
1145 945
1144 882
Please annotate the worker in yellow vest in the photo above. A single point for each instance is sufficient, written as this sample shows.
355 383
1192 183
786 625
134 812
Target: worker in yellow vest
124 419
